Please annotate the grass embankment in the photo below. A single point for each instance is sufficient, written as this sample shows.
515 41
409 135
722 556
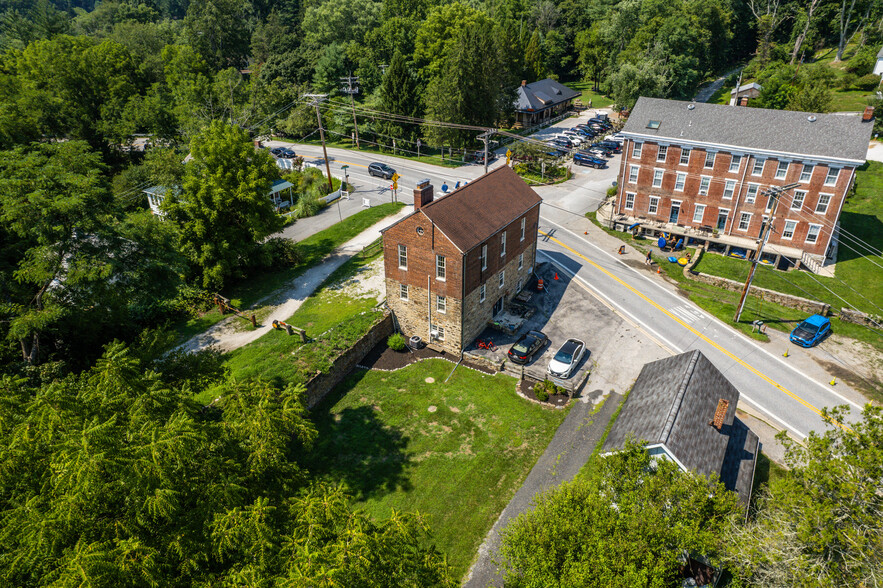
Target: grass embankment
312 249
456 451
427 154
597 99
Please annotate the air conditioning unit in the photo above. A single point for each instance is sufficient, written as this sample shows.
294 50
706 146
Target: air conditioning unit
433 333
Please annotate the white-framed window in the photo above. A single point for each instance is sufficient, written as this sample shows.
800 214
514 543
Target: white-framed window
663 151
709 159
699 214
503 244
751 194
653 207
483 256
657 177
806 173
441 304
520 260
758 167
680 180
729 189
633 174
519 285
735 163
832 175
704 183
782 170
502 279
685 156
788 230
440 267
824 201
636 150
797 200
482 293
403 257
812 235
744 221
523 226
403 291
437 331
629 200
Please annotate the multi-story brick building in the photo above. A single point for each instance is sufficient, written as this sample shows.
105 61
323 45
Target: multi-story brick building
457 260
700 170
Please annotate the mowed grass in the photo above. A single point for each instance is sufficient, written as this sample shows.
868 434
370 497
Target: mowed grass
456 451
597 99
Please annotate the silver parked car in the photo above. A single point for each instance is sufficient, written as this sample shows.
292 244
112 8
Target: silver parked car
567 358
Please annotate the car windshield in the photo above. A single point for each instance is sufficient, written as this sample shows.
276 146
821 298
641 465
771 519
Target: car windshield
564 356
805 329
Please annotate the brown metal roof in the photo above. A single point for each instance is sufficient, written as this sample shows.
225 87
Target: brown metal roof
472 214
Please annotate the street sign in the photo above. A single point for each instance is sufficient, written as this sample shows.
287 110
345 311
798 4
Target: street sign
395 177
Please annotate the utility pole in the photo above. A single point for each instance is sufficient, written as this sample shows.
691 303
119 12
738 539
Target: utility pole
315 100
351 89
773 193
484 137
738 85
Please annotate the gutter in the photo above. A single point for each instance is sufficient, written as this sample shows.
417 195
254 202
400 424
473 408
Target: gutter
738 197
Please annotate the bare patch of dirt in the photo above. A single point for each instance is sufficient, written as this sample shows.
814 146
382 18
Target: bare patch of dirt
856 363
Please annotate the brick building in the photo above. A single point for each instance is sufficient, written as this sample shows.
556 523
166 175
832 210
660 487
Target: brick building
455 262
700 170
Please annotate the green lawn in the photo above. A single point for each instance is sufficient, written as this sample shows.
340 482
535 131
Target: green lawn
427 154
313 249
597 99
722 96
459 464
850 100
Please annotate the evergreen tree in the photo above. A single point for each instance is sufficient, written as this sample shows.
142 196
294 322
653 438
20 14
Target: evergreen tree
399 94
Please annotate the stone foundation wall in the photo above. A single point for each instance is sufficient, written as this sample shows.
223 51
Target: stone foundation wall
320 385
411 315
804 304
860 318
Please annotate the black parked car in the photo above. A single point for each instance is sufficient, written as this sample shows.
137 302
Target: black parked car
523 350
478 156
611 146
598 151
589 160
562 142
381 170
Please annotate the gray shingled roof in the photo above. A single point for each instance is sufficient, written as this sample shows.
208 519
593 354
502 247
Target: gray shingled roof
543 94
778 131
672 402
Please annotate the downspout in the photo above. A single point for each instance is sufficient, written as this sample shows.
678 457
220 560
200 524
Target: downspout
428 310
462 301
738 197
622 166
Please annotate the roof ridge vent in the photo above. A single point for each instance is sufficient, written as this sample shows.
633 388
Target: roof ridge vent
811 118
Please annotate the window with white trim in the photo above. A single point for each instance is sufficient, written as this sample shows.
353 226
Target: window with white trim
709 159
806 173
832 175
812 235
403 291
782 170
788 230
735 163
744 221
440 267
758 167
824 201
629 200
503 244
441 304
633 174
482 293
751 194
657 177
523 226
437 331
636 150
769 203
729 189
703 185
520 260
663 151
502 279
653 207
797 200
403 257
699 213
483 256
685 156
680 180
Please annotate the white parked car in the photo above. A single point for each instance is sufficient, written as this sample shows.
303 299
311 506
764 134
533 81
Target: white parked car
567 358
574 137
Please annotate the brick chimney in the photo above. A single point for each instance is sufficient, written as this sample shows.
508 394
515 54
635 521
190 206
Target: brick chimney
523 83
422 194
720 414
868 114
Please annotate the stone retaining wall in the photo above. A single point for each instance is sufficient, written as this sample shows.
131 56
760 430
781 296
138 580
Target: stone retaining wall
320 385
859 318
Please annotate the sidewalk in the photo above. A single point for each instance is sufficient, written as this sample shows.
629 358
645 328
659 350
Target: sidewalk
227 335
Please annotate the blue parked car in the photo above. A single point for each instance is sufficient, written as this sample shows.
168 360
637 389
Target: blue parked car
583 159
811 330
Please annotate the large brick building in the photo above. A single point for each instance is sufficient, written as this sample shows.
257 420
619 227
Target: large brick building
456 261
700 170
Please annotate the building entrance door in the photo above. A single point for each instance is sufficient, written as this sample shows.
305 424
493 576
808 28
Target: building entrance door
498 306
722 219
675 212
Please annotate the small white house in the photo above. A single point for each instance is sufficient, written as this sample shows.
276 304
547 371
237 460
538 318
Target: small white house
878 66
280 193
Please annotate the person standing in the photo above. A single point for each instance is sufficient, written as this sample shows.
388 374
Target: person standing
649 259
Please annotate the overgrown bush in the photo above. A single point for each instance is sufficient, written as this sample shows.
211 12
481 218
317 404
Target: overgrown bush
862 63
539 390
280 252
396 342
847 81
867 82
307 205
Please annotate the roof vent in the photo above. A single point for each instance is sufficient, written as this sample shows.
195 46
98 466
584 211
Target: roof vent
811 118
691 106
720 414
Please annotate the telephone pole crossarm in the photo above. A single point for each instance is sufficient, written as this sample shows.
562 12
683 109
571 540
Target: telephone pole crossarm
315 100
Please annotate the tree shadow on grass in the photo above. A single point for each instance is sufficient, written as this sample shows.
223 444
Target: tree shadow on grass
866 227
357 448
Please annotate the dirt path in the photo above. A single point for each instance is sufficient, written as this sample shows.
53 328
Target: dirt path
231 333
706 92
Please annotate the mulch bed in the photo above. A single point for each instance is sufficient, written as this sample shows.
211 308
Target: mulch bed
526 388
384 358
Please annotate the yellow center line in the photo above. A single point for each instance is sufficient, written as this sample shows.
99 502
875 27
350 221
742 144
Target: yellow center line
349 163
691 329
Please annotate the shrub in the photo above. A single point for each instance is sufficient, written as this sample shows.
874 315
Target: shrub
307 205
278 251
396 342
868 82
847 81
540 392
862 63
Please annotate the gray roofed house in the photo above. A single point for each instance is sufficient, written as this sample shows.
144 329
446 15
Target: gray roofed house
540 101
821 137
674 407
878 65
